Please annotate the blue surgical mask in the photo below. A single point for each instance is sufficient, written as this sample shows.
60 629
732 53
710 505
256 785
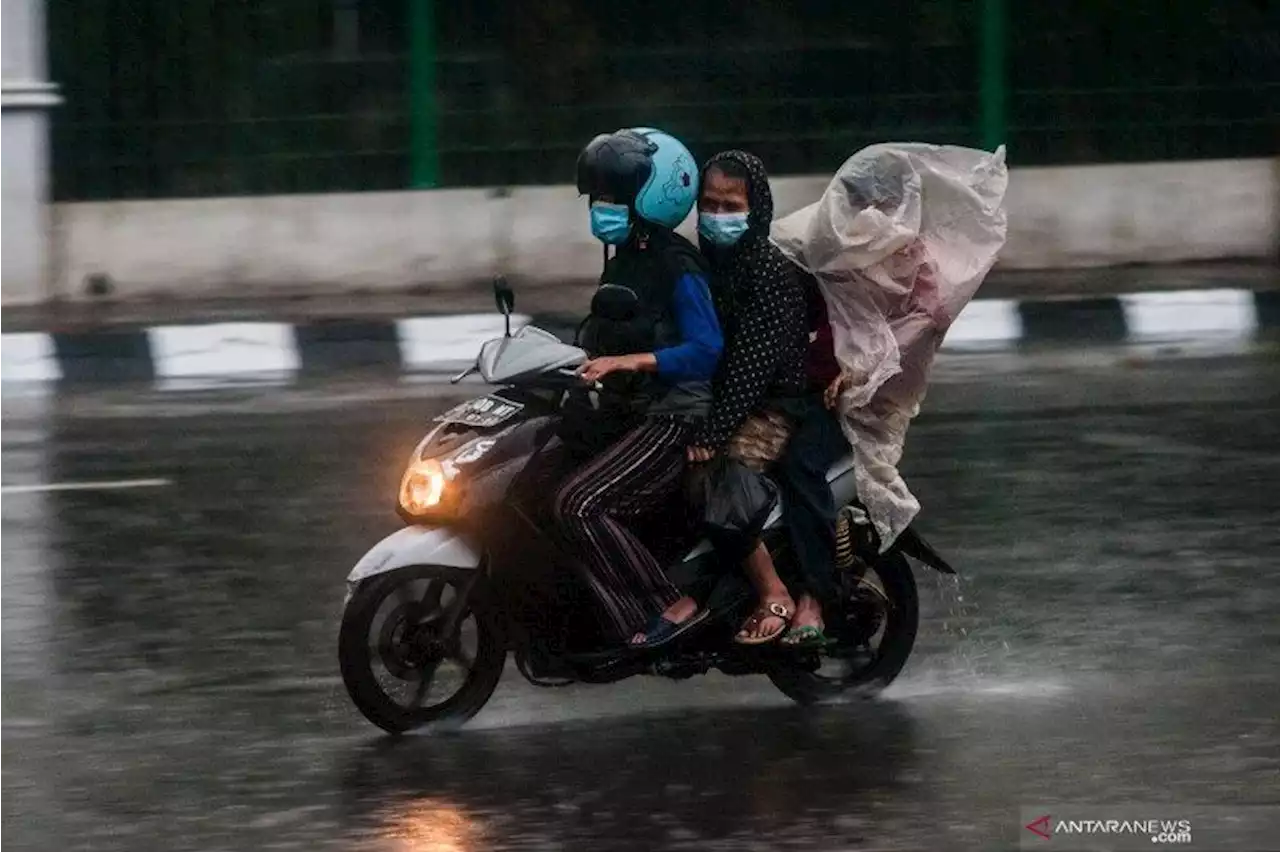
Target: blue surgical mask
610 223
722 229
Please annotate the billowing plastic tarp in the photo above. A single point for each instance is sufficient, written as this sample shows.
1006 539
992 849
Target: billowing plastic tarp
899 243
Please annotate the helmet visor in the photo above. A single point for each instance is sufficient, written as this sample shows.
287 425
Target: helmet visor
615 166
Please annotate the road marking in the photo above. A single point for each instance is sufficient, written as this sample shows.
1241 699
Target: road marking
223 349
114 485
29 357
448 343
984 322
1191 313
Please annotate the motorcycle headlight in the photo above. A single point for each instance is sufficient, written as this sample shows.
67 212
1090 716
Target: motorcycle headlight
422 488
428 491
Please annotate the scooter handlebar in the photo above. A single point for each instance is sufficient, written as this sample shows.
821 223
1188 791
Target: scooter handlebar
570 373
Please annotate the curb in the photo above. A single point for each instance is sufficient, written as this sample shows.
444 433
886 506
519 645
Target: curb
267 351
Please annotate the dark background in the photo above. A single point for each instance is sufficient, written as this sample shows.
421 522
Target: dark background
227 97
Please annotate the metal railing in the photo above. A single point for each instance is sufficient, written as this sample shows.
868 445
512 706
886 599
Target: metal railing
231 99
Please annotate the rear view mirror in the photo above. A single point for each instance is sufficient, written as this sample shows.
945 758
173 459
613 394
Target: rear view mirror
503 295
505 298
616 303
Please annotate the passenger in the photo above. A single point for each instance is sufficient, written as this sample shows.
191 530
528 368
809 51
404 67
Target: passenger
762 309
626 455
818 442
808 507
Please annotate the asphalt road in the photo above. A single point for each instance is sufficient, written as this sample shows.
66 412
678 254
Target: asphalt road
170 681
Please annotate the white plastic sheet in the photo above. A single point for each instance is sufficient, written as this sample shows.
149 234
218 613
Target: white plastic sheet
899 243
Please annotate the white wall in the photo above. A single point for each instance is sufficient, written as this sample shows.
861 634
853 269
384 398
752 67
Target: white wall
1059 217
25 97
1152 213
24 252
277 243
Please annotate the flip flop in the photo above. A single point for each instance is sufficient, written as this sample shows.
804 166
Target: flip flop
659 631
808 636
770 610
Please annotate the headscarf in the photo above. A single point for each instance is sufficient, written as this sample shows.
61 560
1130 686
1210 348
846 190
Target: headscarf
737 266
761 305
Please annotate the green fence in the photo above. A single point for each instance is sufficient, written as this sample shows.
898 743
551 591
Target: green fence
172 98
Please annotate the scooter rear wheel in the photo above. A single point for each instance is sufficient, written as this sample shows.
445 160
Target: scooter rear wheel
883 615
392 646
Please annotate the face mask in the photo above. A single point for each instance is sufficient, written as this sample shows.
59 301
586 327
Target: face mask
610 223
722 229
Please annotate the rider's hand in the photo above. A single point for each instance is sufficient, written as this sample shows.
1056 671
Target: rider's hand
597 368
832 394
697 455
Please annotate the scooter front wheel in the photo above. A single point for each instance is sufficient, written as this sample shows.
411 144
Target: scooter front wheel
413 653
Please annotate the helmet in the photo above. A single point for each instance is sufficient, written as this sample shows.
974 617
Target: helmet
650 171
881 181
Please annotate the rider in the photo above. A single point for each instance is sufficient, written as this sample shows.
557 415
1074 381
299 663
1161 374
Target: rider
625 445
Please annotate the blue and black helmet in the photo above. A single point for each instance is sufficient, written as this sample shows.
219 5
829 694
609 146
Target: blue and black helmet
650 171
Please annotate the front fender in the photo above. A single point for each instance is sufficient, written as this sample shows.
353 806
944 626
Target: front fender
417 545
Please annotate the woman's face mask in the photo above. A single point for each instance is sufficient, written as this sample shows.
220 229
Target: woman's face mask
722 229
723 205
610 223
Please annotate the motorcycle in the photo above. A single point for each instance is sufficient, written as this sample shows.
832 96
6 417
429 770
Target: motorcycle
433 610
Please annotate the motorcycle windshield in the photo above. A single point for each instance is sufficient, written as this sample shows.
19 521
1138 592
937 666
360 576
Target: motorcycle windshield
899 242
529 352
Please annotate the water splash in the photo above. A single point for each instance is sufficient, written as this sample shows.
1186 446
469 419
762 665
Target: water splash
964 649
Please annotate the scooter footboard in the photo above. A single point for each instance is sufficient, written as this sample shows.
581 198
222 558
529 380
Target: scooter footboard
417 545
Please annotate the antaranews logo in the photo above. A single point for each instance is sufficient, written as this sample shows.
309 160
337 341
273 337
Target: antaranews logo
1141 827
1159 831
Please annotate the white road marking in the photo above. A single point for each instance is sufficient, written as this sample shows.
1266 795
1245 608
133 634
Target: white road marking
223 349
984 322
29 357
446 342
111 485
1190 313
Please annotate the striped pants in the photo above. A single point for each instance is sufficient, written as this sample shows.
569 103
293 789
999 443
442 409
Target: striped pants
592 507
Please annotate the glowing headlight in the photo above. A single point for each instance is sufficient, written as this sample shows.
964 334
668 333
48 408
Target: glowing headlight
422 487
425 487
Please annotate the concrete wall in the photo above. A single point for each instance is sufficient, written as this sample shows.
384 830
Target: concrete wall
1153 213
24 251
25 98
1059 217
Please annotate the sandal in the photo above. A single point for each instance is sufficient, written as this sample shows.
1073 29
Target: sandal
773 609
659 631
808 636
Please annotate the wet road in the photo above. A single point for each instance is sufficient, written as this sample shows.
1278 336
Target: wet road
170 683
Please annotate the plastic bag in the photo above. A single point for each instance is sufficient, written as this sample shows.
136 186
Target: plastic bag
899 243
734 502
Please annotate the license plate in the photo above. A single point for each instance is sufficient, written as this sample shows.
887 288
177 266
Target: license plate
483 413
